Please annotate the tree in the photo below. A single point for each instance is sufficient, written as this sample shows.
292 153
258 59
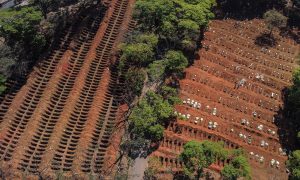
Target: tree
144 122
175 61
20 28
148 118
294 164
174 20
229 172
156 70
20 25
153 168
134 79
241 164
274 19
47 5
139 54
293 99
199 155
147 38
162 108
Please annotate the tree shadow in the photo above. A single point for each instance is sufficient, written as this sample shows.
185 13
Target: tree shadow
266 40
285 121
245 9
289 32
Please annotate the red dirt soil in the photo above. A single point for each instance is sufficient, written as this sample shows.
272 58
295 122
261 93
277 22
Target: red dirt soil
245 115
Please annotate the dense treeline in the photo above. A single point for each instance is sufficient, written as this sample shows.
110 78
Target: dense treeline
27 32
293 110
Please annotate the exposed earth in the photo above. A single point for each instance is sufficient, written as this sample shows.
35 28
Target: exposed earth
234 93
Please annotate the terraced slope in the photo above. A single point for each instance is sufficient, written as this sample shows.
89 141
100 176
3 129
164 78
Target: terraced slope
61 121
233 93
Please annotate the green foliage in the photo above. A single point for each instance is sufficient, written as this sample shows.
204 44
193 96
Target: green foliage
142 119
46 5
171 94
140 51
199 155
150 39
20 25
293 98
148 118
156 70
163 109
274 19
294 164
2 83
134 80
174 20
20 28
242 165
229 172
175 61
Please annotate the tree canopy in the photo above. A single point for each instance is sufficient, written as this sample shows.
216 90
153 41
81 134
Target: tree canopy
239 167
20 28
174 20
274 19
294 164
175 61
21 25
199 155
149 117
